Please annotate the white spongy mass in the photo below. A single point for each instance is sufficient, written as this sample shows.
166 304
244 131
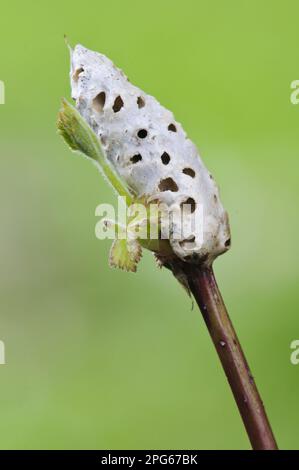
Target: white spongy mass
150 151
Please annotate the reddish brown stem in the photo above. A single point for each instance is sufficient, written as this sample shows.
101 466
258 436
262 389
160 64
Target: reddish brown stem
206 293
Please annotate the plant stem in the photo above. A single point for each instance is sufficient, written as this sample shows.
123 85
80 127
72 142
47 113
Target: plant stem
206 293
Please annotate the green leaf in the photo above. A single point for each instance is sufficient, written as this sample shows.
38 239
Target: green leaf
81 138
125 254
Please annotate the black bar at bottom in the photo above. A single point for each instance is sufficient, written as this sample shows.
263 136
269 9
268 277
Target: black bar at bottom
136 458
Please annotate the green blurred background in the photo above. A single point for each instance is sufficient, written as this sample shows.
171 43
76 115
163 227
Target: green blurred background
97 358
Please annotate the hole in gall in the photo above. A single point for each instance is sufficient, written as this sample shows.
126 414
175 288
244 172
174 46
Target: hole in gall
98 102
136 158
77 73
189 172
142 133
140 102
172 128
189 202
168 184
191 239
165 158
227 243
118 104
